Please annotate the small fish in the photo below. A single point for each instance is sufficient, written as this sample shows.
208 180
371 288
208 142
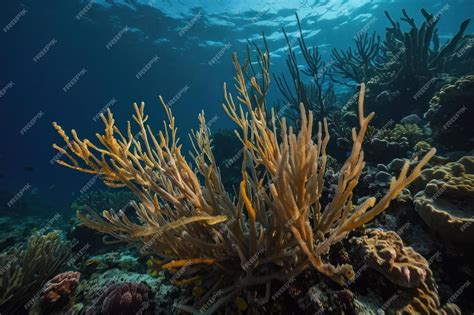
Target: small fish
29 168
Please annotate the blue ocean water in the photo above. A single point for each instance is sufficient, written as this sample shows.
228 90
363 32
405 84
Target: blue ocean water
105 44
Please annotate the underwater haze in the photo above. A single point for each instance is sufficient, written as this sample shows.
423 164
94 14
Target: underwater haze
237 157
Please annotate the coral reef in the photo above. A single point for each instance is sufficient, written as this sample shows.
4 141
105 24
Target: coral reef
451 112
261 219
401 265
26 270
123 259
388 143
123 299
411 66
320 298
273 230
445 203
381 145
385 150
411 132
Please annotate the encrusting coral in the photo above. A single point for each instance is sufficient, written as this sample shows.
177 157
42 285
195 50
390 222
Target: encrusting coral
273 229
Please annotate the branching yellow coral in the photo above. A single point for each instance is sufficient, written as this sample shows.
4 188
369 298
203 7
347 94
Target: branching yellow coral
274 228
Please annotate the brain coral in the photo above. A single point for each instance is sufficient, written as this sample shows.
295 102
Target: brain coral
446 203
385 252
